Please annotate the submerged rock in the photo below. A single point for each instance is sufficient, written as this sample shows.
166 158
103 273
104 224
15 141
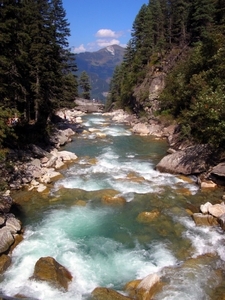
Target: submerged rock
148 216
109 200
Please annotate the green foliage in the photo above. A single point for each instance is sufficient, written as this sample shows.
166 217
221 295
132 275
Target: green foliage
85 86
36 68
6 129
205 120
190 37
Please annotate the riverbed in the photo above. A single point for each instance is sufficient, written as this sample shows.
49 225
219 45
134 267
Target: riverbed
82 222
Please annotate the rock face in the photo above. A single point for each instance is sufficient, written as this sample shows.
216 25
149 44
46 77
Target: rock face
48 269
193 160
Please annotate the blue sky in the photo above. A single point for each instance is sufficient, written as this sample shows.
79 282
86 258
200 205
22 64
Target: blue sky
95 24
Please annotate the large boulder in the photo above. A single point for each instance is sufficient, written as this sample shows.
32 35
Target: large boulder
217 210
13 224
140 128
193 160
6 239
103 293
48 269
219 170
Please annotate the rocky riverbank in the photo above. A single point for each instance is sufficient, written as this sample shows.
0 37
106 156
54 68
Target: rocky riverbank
35 168
184 157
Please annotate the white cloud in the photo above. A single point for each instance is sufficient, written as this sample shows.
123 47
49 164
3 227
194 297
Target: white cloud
79 49
105 37
107 33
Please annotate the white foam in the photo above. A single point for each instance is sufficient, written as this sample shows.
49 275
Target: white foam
74 238
205 239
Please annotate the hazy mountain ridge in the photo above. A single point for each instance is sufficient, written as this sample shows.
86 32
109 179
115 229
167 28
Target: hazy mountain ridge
99 66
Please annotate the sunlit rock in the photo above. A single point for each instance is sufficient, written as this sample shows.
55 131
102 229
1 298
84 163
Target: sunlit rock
102 293
51 162
41 188
144 289
59 163
204 208
67 155
148 216
49 174
204 220
140 128
49 270
13 224
131 287
208 184
217 210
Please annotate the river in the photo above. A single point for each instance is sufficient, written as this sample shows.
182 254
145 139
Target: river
107 245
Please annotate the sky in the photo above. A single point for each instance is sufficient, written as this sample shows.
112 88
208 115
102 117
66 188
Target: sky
95 24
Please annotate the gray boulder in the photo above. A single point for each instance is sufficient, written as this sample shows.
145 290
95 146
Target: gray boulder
193 160
6 239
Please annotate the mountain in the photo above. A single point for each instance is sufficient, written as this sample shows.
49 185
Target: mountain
99 66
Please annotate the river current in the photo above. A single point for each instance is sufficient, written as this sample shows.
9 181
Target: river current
108 245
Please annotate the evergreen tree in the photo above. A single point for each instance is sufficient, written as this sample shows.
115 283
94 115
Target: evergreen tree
84 84
201 18
36 68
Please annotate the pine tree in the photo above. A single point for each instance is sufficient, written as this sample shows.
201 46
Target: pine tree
85 86
201 17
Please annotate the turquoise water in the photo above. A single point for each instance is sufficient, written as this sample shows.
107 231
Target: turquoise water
107 245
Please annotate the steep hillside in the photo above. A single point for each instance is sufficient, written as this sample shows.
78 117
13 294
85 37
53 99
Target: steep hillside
100 66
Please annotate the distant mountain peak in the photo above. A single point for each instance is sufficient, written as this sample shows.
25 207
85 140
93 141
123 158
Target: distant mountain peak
99 66
110 49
